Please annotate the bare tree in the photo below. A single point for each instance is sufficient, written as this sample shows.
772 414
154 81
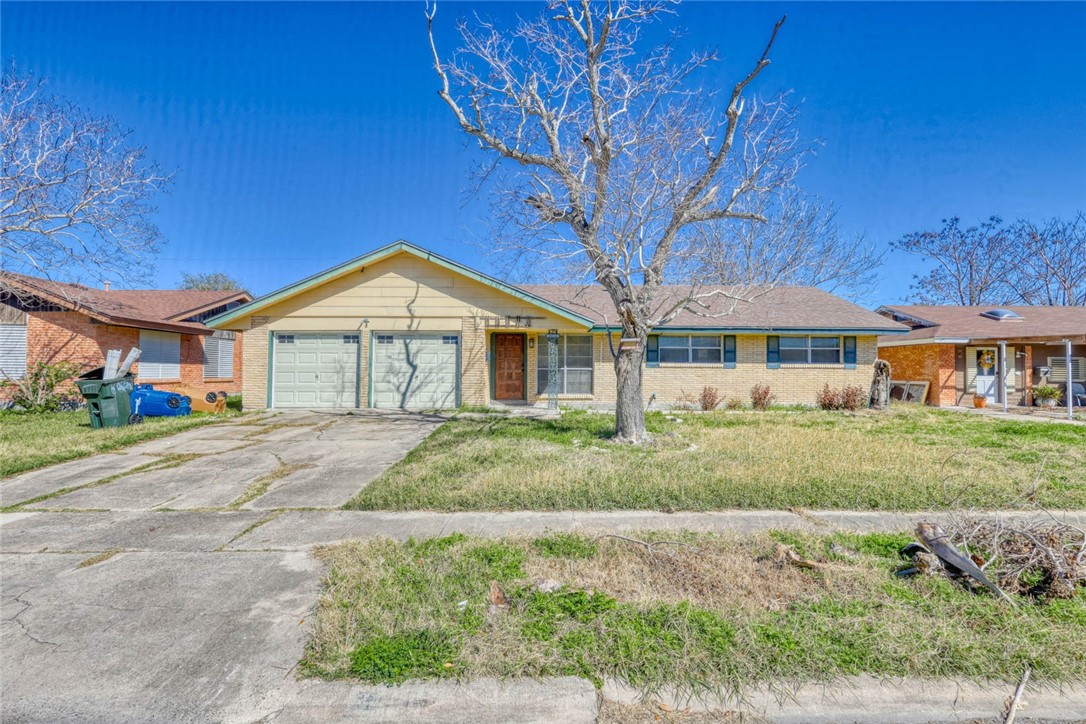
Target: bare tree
972 265
209 282
618 155
801 243
74 190
1051 264
996 263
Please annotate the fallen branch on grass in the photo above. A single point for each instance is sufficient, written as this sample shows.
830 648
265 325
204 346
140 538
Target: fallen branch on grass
938 542
1012 703
647 545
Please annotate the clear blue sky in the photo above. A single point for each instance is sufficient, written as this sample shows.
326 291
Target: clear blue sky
306 134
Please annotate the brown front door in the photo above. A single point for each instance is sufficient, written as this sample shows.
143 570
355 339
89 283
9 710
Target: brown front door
508 366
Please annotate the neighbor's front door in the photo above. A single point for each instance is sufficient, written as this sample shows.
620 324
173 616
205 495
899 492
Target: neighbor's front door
508 366
987 373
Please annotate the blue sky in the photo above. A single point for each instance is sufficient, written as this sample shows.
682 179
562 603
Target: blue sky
306 134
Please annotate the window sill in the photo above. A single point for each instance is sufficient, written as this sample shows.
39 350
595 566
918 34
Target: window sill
691 365
812 366
157 381
543 397
218 379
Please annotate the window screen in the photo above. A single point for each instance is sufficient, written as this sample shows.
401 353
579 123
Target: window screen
218 357
160 355
574 365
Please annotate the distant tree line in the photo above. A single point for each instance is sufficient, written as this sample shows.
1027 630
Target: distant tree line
994 262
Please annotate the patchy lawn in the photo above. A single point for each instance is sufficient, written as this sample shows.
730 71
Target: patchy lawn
34 440
906 459
712 614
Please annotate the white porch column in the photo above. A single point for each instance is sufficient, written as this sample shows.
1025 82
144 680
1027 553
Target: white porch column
1003 373
1067 391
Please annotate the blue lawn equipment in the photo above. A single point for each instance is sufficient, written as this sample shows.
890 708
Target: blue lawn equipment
149 402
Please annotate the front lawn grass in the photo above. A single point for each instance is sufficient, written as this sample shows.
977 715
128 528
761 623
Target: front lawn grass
905 459
34 440
712 615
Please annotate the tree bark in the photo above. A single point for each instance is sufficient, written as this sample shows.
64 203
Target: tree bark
629 403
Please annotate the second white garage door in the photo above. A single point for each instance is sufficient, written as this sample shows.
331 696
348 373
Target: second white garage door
315 370
415 371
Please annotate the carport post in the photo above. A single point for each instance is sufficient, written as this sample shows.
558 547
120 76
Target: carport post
1003 373
1067 391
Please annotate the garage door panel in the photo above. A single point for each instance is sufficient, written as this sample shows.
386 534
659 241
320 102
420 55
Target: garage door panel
315 370
417 371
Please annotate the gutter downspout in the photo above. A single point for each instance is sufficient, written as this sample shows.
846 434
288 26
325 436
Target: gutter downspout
1003 373
1070 397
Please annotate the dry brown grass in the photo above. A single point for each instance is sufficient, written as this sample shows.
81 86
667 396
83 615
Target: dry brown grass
656 713
724 573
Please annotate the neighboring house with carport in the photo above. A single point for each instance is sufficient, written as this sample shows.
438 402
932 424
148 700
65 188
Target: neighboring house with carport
402 327
46 321
960 350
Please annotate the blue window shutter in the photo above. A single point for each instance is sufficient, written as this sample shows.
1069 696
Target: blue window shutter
772 352
652 351
850 353
729 351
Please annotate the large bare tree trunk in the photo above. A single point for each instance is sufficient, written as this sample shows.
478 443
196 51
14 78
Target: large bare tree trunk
629 403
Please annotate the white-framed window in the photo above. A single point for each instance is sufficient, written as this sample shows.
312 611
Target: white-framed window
12 351
384 339
350 339
284 338
160 355
574 364
810 350
1059 369
219 355
450 339
691 349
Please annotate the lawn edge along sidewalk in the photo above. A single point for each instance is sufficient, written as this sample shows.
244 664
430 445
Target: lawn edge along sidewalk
299 529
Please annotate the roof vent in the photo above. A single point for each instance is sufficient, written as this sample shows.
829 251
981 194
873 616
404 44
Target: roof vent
1002 315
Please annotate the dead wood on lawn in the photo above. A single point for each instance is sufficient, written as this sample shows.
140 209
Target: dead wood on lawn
1012 703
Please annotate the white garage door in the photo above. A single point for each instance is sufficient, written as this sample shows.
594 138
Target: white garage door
315 370
415 371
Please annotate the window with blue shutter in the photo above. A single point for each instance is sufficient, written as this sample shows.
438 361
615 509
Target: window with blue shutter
729 351
772 352
850 353
652 351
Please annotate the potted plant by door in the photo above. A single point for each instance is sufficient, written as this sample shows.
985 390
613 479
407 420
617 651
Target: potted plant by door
979 401
1047 395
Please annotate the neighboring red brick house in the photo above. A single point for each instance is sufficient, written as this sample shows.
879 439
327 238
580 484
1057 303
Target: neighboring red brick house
46 321
961 350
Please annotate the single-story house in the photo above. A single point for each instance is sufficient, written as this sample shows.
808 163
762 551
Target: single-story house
47 321
960 351
402 327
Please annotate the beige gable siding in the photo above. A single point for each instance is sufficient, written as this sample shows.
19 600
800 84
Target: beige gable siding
400 293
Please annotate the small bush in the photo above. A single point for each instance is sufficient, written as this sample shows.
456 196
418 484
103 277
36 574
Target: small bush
709 398
761 397
851 397
828 398
734 403
44 388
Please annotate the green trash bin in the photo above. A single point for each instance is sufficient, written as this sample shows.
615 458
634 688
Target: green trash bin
107 400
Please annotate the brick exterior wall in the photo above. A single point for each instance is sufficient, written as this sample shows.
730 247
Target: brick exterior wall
53 337
254 388
474 367
935 364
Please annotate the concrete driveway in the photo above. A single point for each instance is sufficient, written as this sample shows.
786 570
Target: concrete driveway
284 460
117 600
